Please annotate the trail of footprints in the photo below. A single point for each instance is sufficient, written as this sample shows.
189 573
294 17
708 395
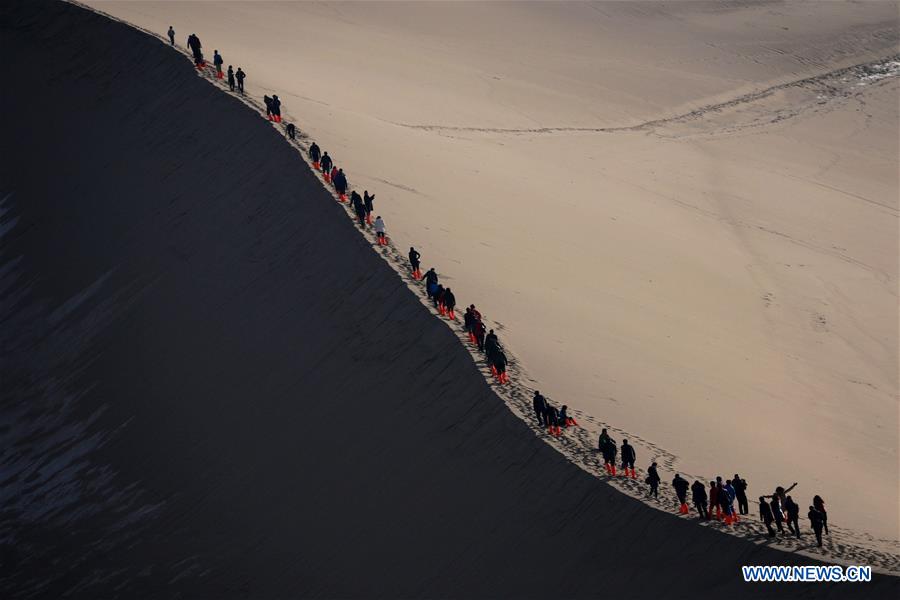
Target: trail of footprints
578 444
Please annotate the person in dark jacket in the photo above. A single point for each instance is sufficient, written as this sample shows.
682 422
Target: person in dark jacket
765 515
681 487
500 362
369 200
450 304
276 108
609 451
438 296
268 102
775 505
171 34
479 334
602 440
240 75
551 418
340 182
431 281
291 131
491 344
653 479
315 154
793 515
217 62
816 522
230 78
414 256
326 165
819 505
469 323
566 420
740 489
628 458
358 207
540 405
698 496
194 44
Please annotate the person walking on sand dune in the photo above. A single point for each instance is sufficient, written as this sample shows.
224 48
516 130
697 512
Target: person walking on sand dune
171 34
819 505
326 165
340 182
276 108
609 456
369 200
816 522
740 489
603 440
315 154
268 102
357 202
551 418
540 405
479 330
628 458
379 231
653 479
793 515
775 505
217 62
292 132
438 296
681 487
491 341
194 44
469 323
450 304
698 495
230 78
240 80
431 282
765 515
414 256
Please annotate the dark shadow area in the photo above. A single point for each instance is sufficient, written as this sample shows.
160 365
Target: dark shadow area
212 386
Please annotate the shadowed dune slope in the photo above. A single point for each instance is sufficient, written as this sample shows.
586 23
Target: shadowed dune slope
213 387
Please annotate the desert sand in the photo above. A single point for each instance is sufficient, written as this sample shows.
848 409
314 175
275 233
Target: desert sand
682 217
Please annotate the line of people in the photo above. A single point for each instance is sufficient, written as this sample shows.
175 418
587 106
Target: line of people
235 78
777 508
363 206
718 503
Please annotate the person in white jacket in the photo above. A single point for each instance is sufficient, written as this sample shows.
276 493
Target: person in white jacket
379 231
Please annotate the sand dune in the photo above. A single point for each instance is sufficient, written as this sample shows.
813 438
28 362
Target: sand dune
720 281
213 387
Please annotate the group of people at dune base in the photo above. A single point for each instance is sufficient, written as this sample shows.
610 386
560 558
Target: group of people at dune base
717 502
